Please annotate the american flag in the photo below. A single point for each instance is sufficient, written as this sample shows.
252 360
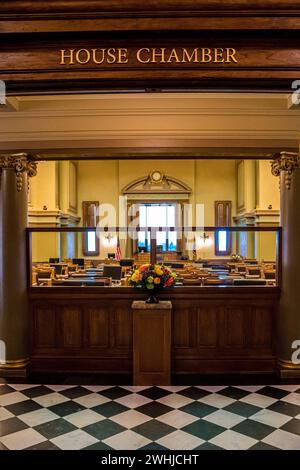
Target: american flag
118 250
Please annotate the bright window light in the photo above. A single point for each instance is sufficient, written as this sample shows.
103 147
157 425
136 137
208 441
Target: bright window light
91 241
222 240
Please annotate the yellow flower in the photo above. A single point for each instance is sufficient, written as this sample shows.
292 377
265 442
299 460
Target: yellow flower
157 280
150 280
158 271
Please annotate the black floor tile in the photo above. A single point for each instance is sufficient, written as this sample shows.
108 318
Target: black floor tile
154 393
233 392
23 407
203 429
262 446
242 409
273 392
4 389
253 429
11 425
75 392
154 409
46 445
153 446
198 409
194 393
66 408
208 446
285 408
292 426
98 446
103 429
153 429
55 428
37 391
110 408
115 392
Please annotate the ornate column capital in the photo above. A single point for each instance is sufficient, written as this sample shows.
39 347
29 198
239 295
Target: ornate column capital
287 162
20 163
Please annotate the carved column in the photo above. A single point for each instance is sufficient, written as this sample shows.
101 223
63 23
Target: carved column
287 167
14 173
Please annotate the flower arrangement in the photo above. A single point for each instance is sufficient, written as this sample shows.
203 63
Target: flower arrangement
153 277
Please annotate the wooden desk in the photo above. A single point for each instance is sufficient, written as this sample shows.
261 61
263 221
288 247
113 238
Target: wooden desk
151 343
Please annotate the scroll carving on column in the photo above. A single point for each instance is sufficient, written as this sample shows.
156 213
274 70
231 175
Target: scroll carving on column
286 162
20 163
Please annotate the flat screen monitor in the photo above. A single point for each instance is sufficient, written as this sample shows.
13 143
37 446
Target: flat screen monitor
79 261
126 262
115 272
111 256
53 260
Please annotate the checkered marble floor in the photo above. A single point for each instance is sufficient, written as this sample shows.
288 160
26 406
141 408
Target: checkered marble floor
150 418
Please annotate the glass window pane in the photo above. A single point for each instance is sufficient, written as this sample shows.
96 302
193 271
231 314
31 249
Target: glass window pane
143 216
141 239
172 241
91 241
161 240
171 216
222 240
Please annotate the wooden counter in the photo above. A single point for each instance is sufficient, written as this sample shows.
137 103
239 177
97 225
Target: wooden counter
214 329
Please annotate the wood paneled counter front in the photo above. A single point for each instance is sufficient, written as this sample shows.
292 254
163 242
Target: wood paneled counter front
214 329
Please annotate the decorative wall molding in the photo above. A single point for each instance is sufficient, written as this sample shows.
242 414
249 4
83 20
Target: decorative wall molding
20 163
286 162
166 184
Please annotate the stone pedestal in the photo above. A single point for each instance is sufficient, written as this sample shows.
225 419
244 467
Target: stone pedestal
152 343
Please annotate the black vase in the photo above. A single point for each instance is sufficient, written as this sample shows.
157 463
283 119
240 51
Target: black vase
152 299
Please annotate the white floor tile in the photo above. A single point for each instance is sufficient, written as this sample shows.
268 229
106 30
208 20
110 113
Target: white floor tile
250 388
60 388
50 399
287 388
133 400
293 398
74 440
97 388
180 440
21 387
216 400
135 388
13 397
34 418
211 388
258 400
177 419
84 418
127 440
175 400
174 388
5 414
131 418
224 418
91 400
231 440
271 418
22 439
283 440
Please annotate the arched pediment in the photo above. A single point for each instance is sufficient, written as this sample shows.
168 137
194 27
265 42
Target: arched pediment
156 185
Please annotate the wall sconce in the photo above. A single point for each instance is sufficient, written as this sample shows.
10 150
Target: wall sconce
205 240
108 240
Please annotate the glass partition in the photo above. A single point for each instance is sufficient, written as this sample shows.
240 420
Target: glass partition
57 257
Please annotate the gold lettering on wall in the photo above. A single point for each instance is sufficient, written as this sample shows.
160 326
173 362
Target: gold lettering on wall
149 55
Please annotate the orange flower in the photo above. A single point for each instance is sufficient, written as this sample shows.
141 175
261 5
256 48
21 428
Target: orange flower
157 280
144 267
